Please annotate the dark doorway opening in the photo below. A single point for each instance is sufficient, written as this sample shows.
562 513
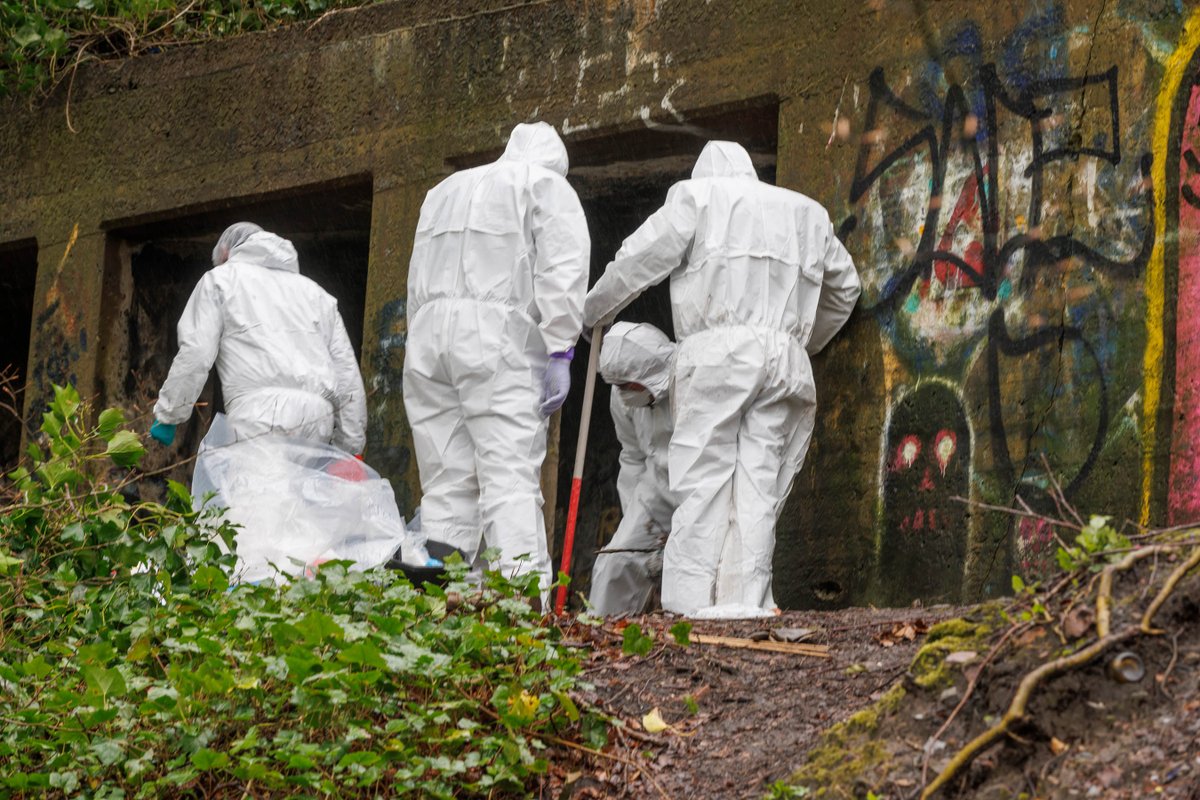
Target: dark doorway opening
152 266
622 179
18 281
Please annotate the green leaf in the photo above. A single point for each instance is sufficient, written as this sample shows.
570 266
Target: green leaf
99 653
125 449
26 35
364 758
9 564
634 642
1066 560
177 491
206 759
568 705
594 730
66 401
55 41
107 750
105 682
1018 585
209 579
110 419
682 631
317 627
67 781
57 473
363 652
37 667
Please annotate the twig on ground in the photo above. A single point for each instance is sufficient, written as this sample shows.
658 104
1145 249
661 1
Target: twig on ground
794 648
1162 679
1017 512
886 623
1058 495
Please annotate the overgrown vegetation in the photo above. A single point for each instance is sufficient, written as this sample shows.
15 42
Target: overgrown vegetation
42 40
130 667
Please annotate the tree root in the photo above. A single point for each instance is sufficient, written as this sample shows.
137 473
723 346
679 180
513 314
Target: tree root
1168 587
1106 639
1016 711
1104 593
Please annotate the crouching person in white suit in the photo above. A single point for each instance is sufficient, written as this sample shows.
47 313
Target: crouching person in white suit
636 360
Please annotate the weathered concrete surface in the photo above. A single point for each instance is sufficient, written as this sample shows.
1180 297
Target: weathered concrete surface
1014 182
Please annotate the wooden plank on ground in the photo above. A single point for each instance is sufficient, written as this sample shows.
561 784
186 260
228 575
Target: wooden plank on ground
795 648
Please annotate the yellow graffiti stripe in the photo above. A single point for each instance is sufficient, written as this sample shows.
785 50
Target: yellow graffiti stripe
1156 270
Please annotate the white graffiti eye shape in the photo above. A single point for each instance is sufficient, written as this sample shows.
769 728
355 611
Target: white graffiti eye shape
944 445
907 452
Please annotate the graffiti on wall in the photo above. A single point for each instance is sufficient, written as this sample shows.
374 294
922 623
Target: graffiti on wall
928 456
1184 498
1001 229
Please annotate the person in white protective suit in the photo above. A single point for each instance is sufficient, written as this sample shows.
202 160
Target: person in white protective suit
636 360
759 282
285 362
495 297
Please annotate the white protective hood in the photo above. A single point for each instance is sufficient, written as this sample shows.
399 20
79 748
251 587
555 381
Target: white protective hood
537 143
266 250
724 160
638 353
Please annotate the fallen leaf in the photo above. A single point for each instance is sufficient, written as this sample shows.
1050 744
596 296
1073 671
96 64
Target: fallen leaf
1078 622
793 634
653 722
1058 746
1030 636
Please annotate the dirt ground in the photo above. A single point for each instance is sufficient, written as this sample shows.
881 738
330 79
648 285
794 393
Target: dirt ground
742 720
756 714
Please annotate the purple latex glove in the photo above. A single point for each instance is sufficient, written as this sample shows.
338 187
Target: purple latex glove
557 382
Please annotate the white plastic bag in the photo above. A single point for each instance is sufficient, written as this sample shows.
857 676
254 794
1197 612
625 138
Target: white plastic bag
297 500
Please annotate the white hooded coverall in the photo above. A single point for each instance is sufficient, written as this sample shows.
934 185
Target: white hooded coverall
282 353
758 282
623 581
496 284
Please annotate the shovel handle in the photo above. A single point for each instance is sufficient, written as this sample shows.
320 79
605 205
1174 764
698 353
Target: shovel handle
585 421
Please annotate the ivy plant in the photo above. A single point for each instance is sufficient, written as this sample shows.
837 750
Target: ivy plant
132 665
41 40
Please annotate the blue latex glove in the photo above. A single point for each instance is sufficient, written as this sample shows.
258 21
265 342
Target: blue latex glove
162 432
557 382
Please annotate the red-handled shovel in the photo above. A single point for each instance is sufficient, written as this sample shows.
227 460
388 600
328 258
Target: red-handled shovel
585 421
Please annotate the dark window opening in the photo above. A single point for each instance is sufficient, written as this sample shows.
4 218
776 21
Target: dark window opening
18 280
153 265
621 180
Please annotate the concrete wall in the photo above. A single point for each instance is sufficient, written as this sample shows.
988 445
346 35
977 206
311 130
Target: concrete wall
1013 179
